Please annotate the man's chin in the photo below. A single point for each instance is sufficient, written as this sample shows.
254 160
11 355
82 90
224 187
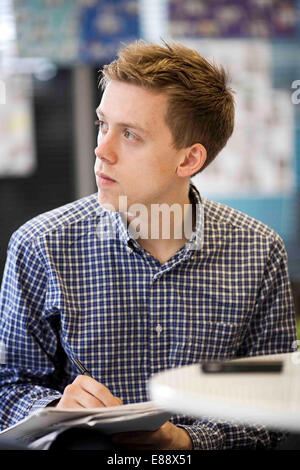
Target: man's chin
107 204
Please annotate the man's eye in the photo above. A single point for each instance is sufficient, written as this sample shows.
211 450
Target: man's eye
129 136
102 126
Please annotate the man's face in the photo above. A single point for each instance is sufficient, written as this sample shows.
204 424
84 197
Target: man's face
134 148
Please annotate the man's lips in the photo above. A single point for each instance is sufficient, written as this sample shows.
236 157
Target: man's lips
103 178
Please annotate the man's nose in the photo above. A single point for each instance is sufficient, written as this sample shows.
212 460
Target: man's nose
106 149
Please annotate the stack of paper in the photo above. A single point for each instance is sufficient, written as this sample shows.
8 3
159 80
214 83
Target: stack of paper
47 423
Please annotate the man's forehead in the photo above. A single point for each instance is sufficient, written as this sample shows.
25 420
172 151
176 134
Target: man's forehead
123 103
133 96
124 123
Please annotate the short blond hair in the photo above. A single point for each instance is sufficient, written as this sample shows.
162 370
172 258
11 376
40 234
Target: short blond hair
200 105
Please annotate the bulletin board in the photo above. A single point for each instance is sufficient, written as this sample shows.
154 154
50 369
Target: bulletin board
259 158
17 143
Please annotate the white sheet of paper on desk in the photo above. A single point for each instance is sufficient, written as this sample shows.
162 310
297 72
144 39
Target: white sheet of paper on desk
141 422
132 417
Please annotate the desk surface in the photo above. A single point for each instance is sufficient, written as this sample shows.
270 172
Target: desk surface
272 399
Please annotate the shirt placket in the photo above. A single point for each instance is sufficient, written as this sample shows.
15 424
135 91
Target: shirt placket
155 328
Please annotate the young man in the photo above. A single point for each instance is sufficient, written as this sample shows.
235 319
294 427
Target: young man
97 278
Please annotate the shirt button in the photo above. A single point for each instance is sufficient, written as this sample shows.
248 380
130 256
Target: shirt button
158 329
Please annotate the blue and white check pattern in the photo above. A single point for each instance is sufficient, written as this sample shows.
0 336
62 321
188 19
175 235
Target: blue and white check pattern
68 291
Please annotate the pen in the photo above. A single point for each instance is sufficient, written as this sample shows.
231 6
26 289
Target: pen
80 366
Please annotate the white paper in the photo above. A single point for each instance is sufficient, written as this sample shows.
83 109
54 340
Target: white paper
141 422
132 417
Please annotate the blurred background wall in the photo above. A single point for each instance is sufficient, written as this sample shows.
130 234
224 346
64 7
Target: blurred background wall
51 52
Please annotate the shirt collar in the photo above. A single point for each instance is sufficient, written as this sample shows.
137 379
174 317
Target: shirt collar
197 238
118 224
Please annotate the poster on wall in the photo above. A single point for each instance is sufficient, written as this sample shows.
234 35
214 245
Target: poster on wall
259 157
47 28
104 25
68 31
17 150
233 18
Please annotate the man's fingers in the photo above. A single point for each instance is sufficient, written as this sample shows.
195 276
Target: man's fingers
86 392
77 394
68 400
97 390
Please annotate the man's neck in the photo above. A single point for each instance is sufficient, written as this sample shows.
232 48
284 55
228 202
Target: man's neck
166 228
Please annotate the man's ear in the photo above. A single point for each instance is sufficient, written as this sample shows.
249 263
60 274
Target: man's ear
193 160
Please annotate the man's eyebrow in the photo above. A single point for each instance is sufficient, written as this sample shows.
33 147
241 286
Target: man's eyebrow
123 124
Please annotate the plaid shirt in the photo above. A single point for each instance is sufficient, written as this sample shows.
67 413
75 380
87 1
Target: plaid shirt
69 290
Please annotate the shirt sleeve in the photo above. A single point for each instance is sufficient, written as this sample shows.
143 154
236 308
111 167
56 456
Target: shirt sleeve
272 330
210 434
272 327
31 373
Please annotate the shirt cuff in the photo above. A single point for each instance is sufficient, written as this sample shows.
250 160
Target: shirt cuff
203 438
45 401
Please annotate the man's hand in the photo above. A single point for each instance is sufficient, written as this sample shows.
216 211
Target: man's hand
168 436
86 392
